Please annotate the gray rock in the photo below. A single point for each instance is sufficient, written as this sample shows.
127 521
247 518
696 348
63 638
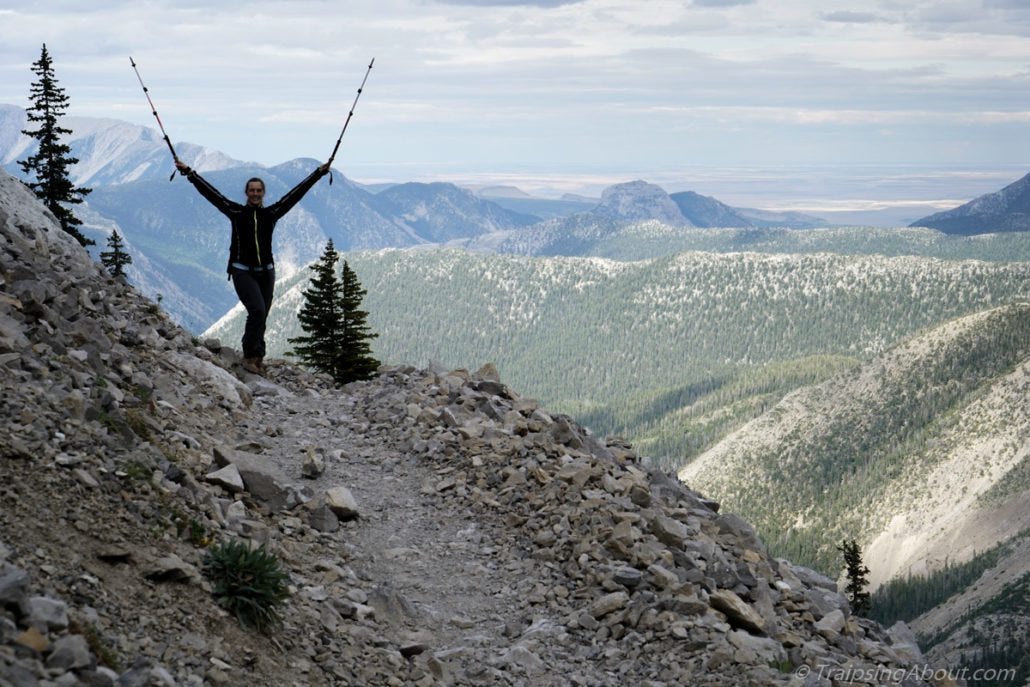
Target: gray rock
342 502
323 519
14 587
268 486
228 477
831 623
523 658
171 568
314 464
903 642
737 611
812 578
669 531
47 614
18 675
608 604
627 577
70 652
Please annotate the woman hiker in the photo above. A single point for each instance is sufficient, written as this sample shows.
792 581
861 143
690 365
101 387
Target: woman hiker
251 265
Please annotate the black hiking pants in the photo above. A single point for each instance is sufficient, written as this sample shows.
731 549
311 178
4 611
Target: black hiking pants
255 292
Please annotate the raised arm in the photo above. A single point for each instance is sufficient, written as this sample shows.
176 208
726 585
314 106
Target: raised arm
293 196
223 204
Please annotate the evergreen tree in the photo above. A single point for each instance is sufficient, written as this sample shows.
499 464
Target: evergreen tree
336 337
115 259
50 164
856 573
321 316
356 349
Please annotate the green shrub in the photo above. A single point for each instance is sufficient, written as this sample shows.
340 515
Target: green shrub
248 583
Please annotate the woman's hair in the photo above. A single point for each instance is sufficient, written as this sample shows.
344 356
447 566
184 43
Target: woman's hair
257 179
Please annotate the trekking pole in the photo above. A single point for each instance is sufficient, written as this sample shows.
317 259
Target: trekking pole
347 121
153 109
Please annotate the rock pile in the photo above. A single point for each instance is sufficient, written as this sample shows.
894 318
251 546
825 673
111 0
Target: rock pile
438 529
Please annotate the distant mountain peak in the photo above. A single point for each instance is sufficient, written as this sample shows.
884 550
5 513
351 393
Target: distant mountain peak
502 192
1002 211
639 200
110 151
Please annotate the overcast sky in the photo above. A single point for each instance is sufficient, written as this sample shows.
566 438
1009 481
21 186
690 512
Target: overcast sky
553 89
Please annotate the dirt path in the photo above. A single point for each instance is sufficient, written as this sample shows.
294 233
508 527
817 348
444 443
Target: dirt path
431 571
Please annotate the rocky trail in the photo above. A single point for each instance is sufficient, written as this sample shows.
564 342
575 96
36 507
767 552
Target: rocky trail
437 528
430 567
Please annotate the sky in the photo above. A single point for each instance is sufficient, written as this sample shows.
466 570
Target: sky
811 101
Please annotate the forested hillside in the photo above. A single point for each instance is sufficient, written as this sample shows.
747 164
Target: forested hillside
919 453
922 455
974 614
651 239
672 352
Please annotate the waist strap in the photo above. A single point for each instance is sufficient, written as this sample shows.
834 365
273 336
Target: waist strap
247 268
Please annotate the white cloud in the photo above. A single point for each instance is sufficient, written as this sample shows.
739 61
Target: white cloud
844 117
582 78
852 17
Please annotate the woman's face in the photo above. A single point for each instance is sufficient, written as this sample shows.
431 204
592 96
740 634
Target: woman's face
255 193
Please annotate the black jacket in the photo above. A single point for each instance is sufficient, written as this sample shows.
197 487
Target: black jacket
252 227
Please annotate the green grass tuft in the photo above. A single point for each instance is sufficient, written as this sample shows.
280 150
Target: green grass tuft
249 583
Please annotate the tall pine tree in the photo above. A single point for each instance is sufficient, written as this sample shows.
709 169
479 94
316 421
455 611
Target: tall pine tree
856 573
116 258
336 337
49 166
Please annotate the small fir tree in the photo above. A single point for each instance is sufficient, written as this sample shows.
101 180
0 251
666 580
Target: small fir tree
49 166
356 348
856 573
116 258
320 315
336 336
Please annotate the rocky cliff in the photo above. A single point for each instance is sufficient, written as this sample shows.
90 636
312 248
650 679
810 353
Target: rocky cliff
437 528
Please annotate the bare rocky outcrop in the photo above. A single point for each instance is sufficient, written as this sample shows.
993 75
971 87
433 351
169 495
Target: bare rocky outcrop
437 527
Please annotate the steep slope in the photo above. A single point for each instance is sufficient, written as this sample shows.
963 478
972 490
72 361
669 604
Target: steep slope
915 453
705 211
1003 211
923 456
987 622
495 543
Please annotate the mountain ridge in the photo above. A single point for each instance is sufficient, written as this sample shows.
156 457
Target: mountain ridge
1007 210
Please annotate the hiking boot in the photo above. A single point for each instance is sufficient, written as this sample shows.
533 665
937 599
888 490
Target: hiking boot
253 365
